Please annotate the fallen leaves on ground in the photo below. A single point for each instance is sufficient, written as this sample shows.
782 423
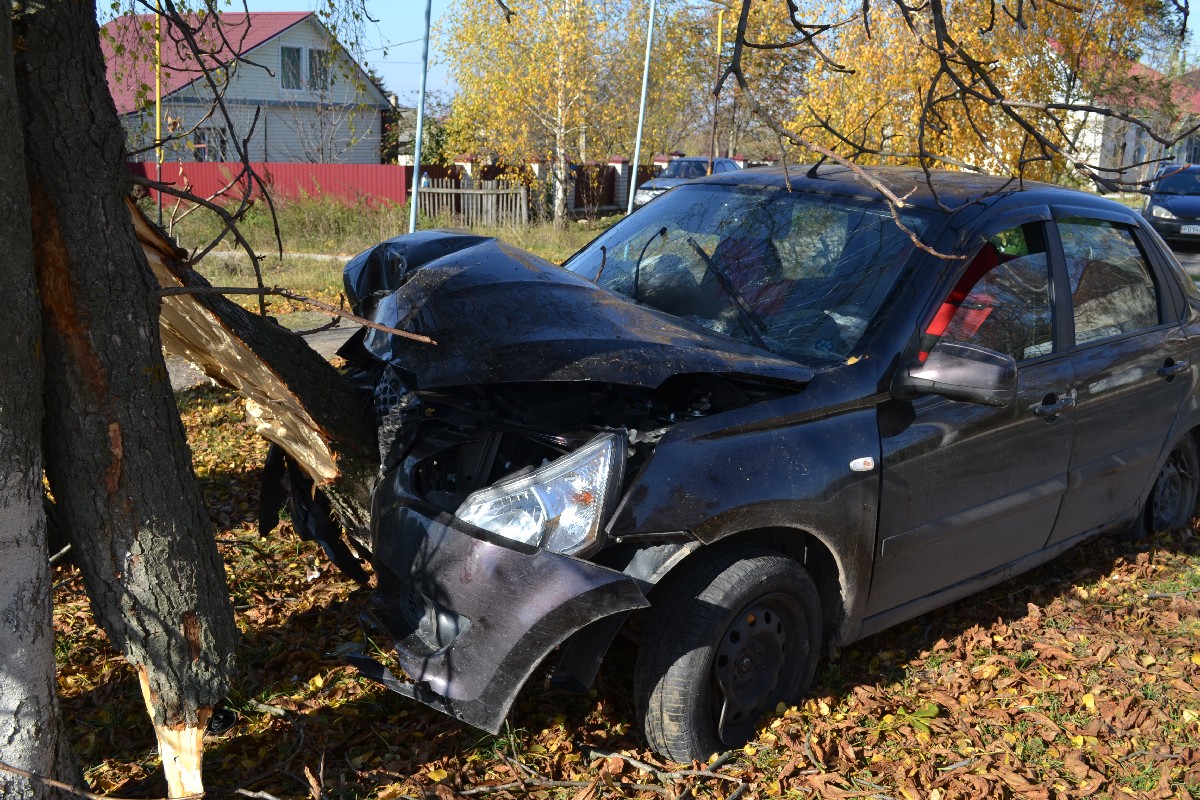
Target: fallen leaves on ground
1079 679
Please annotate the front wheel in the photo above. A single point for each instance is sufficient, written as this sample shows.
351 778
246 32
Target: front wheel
734 634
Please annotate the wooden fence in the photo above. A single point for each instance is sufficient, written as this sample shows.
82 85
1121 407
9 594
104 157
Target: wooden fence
481 203
595 186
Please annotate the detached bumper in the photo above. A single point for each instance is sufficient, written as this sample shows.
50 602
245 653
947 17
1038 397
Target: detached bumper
472 614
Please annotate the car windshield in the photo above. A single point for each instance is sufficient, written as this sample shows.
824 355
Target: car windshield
1182 182
685 169
803 275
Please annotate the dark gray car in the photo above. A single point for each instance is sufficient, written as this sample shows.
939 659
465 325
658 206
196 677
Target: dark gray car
1173 204
758 415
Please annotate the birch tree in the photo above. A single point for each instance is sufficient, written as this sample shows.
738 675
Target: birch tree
992 86
527 87
540 78
29 731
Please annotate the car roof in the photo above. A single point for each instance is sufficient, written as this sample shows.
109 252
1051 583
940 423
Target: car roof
1167 170
940 190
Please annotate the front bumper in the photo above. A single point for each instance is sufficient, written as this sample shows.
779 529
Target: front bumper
1188 229
472 615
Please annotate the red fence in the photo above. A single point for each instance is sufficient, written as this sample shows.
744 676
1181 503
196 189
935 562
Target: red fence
354 183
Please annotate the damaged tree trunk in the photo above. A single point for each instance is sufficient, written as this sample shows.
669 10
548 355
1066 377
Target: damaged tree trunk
115 452
29 736
296 399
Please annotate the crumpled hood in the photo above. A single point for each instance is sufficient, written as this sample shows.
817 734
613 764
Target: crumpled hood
502 315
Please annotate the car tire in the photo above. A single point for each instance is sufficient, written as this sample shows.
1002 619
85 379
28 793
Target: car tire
1172 500
733 633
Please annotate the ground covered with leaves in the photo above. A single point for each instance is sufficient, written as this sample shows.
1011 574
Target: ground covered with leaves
1079 679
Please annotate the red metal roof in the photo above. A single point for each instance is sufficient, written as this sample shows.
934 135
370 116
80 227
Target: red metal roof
128 46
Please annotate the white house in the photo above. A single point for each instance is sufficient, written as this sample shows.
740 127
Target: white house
1171 106
313 102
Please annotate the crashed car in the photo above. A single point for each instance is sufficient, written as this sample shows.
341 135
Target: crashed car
763 413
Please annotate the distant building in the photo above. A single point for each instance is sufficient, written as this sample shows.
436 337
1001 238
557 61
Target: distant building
314 103
1170 106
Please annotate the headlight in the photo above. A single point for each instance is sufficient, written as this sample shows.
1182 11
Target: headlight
643 196
1161 213
559 507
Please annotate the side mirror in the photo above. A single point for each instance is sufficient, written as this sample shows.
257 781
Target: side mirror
960 371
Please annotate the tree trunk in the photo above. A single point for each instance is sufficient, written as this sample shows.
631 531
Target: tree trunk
297 400
29 734
115 451
561 159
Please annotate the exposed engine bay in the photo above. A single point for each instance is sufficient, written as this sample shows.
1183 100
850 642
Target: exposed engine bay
506 452
473 437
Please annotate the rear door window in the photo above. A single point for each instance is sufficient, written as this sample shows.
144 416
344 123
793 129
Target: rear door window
1113 291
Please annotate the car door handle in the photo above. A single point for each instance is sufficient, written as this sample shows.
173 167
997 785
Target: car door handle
1051 408
1173 368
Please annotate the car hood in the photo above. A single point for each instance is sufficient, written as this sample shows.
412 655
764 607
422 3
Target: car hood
662 184
1181 205
500 315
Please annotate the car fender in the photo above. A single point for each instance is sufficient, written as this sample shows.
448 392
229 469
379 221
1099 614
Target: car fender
818 477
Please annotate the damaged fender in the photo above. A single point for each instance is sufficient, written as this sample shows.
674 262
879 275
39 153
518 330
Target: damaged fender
476 613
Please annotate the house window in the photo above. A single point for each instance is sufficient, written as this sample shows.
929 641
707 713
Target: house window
289 67
208 144
318 70
303 68
1193 149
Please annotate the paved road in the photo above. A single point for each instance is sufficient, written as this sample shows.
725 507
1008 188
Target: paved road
1189 256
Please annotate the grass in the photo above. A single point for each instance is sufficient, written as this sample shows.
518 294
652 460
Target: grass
319 234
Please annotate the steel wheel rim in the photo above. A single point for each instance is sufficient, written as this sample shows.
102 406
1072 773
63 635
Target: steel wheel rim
1173 485
750 665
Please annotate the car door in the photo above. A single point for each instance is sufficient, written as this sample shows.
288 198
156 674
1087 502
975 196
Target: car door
1130 360
967 488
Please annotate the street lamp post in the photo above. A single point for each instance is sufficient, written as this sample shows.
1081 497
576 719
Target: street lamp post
637 145
416 175
712 145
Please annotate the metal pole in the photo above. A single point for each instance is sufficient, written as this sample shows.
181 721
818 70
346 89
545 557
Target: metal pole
158 150
637 142
712 145
416 176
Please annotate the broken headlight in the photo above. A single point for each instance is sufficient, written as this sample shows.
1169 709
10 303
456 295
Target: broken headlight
559 507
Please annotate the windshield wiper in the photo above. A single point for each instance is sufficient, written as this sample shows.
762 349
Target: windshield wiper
637 268
750 321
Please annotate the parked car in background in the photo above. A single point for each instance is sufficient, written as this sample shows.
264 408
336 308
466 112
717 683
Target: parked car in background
763 413
1173 204
678 171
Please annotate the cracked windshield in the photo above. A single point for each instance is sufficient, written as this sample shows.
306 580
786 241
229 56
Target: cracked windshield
803 275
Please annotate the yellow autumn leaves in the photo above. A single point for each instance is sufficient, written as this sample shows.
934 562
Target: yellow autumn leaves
562 77
901 99
966 88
